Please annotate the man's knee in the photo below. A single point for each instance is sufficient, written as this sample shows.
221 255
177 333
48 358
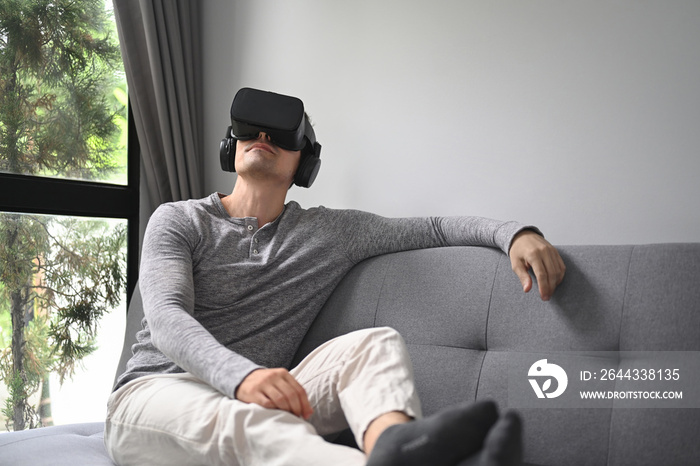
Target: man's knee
383 340
382 333
388 335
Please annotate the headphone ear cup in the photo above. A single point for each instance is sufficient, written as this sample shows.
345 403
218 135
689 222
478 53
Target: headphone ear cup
307 171
227 152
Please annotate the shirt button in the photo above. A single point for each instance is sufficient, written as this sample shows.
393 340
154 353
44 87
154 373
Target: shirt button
250 227
256 241
255 251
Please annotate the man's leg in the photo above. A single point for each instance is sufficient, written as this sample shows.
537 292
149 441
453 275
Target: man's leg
365 380
176 419
354 379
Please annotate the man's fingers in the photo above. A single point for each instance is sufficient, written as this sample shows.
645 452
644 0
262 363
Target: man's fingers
521 270
290 396
562 268
530 251
279 399
275 389
549 271
306 410
296 397
543 279
547 278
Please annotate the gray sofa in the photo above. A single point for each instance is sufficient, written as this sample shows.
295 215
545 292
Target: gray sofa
464 315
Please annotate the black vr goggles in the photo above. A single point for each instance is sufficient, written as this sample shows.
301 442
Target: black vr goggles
282 118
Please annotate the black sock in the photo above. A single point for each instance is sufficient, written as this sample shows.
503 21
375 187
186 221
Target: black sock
439 440
503 445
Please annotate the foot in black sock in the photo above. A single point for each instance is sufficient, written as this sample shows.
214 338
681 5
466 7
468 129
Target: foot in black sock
439 440
503 445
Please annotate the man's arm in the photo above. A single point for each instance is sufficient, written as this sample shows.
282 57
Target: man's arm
168 293
167 288
367 235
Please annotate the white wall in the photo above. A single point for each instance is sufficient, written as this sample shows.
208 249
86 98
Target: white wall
580 117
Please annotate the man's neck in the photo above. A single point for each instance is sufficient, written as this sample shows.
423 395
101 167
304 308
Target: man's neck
263 202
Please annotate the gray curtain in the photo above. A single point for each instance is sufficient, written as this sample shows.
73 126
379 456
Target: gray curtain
160 42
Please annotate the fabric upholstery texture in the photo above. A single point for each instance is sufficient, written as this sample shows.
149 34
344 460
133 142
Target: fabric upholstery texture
462 313
74 444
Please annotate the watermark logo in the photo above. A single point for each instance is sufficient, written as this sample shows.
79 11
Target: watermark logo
604 379
544 371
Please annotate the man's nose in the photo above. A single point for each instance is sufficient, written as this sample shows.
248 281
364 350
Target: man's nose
264 136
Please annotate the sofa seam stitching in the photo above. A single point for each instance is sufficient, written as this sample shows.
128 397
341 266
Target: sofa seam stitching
488 307
486 330
379 295
43 435
624 295
435 345
619 337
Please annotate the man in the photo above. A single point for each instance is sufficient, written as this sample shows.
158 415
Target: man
230 286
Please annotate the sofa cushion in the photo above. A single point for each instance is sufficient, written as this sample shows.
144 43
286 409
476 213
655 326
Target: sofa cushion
68 445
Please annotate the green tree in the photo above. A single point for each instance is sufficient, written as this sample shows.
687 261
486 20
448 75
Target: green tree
59 67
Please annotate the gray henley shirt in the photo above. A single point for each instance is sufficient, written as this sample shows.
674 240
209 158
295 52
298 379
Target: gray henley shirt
224 296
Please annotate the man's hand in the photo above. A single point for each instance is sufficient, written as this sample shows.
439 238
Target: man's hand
531 251
275 389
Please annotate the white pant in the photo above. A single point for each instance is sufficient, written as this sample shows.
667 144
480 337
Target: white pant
173 419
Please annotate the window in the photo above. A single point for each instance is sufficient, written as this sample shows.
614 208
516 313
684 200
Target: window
68 209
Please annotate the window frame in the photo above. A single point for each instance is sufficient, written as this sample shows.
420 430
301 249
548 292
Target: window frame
30 194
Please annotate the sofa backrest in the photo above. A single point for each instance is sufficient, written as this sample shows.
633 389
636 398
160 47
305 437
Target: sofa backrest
464 315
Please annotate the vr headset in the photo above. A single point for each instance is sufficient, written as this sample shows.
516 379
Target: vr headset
283 119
